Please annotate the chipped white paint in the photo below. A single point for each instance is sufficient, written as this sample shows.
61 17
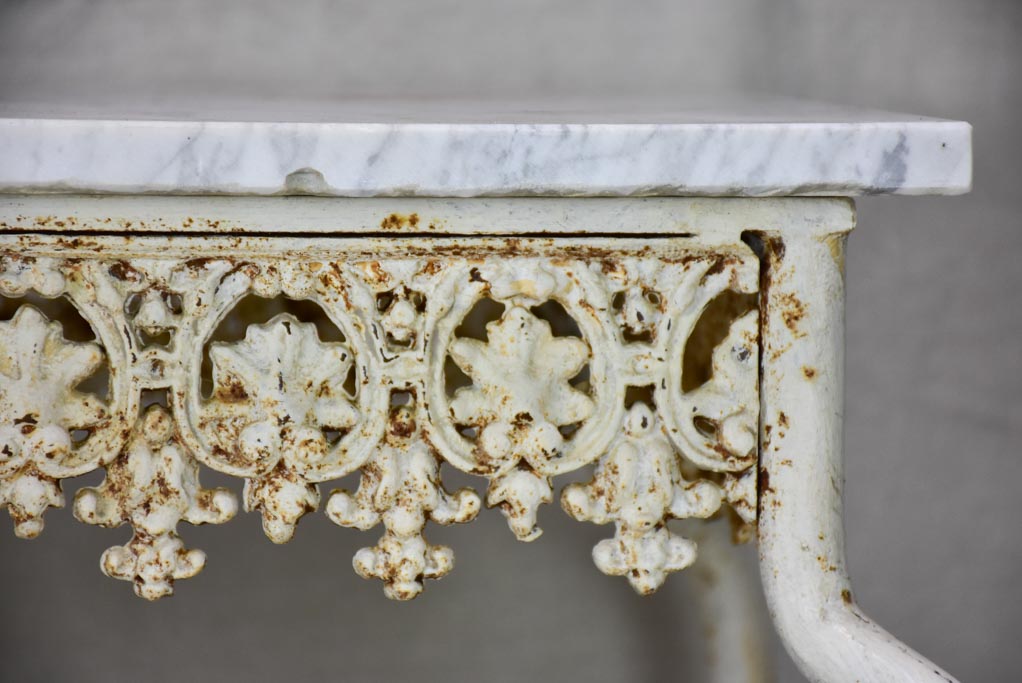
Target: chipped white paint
603 380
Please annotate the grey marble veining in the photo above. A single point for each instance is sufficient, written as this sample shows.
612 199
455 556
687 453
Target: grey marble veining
730 147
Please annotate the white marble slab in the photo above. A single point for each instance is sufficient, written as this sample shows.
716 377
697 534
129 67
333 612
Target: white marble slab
727 147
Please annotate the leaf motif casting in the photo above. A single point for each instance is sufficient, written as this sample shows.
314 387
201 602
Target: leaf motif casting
20 273
401 488
519 398
153 484
288 411
725 401
275 394
39 408
638 485
521 393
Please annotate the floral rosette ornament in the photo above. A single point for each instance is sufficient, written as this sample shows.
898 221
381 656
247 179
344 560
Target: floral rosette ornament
39 410
276 394
519 420
520 397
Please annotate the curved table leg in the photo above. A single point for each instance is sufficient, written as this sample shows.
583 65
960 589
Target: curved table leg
801 541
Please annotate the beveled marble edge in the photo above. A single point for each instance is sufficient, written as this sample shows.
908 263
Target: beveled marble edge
864 153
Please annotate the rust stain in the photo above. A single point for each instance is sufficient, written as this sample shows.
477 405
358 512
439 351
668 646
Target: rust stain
610 266
376 273
825 564
397 221
401 423
792 311
836 244
232 390
123 271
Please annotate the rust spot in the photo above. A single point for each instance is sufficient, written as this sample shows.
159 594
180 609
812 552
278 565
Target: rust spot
124 272
199 263
782 419
609 266
809 372
232 457
846 596
718 266
776 247
376 272
522 419
588 307
232 390
792 311
396 221
720 263
165 491
765 492
836 244
402 424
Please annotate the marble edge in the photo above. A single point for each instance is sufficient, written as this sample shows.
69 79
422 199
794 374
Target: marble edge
919 157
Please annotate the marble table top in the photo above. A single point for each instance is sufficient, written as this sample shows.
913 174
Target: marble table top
724 147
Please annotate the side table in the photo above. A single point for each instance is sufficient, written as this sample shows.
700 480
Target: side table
292 294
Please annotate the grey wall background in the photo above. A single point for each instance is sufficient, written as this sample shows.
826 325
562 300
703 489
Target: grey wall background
934 413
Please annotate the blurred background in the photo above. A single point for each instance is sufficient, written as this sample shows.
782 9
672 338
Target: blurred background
934 365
